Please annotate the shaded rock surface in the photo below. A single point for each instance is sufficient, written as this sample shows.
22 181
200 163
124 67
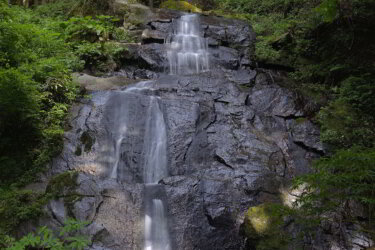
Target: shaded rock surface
234 139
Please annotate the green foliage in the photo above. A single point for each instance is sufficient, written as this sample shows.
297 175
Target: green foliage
122 35
63 8
35 91
348 175
90 29
90 39
67 239
328 9
263 226
349 119
17 206
62 184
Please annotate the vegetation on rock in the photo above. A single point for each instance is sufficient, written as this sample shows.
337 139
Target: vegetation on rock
67 239
180 5
263 226
39 50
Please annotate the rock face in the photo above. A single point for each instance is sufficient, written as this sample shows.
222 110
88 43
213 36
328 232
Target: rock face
225 153
235 138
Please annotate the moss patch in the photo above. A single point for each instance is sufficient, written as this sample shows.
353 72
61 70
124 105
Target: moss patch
180 5
301 120
87 141
263 227
78 151
63 184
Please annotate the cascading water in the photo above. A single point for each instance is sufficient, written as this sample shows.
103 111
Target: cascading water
155 162
121 120
157 237
155 168
155 141
187 54
187 49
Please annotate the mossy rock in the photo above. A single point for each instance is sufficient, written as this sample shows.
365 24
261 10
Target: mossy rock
62 184
263 227
135 14
87 140
301 120
180 5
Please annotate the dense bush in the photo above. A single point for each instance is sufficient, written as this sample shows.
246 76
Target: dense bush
39 49
339 181
35 91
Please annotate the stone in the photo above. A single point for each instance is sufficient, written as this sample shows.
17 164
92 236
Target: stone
306 134
92 83
242 76
153 36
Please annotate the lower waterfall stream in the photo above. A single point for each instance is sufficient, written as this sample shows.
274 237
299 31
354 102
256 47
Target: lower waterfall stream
154 167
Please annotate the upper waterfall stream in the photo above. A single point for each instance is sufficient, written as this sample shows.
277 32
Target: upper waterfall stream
187 52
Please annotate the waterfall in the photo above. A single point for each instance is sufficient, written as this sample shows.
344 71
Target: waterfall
155 168
121 121
155 162
155 144
187 49
156 228
187 54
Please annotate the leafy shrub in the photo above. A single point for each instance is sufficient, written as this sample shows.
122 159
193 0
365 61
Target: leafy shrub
67 239
348 175
35 92
65 8
349 119
17 206
90 29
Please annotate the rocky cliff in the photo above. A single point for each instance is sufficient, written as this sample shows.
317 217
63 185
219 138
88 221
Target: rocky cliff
235 140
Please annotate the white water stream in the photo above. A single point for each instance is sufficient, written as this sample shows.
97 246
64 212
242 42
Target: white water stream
155 144
187 49
155 168
121 120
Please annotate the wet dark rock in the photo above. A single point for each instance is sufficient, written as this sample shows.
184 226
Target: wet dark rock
273 100
242 76
225 57
154 56
161 25
306 134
